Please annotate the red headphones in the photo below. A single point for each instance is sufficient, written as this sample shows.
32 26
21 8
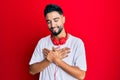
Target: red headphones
61 41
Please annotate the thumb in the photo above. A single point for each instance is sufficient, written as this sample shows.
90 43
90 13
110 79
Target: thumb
54 49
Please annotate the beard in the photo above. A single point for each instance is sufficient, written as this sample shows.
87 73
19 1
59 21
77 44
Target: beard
60 28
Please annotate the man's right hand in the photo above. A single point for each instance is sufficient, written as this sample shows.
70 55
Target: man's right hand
56 54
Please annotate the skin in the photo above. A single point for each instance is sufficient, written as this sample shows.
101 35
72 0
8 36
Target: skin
55 23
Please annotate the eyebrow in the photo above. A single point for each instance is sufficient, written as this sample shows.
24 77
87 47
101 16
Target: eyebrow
53 18
56 18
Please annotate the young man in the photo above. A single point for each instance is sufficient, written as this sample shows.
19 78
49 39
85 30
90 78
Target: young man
59 56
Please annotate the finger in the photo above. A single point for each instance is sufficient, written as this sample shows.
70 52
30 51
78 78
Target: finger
55 49
65 52
66 48
45 52
64 56
62 50
45 56
46 49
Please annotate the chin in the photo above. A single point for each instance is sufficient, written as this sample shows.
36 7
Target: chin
55 34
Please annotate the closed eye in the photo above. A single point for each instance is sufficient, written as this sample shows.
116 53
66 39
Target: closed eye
56 20
48 21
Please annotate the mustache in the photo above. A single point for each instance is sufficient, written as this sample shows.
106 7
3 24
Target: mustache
54 27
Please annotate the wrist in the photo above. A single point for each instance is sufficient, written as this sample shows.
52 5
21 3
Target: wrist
47 59
57 61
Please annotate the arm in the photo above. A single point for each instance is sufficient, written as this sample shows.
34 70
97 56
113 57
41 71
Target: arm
72 70
39 66
58 55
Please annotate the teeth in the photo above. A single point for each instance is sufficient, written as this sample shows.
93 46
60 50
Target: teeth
55 29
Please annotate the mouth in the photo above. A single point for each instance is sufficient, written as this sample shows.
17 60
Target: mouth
54 29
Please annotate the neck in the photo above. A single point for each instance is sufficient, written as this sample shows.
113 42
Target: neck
62 34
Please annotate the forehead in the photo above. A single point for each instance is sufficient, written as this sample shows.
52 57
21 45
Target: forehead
52 15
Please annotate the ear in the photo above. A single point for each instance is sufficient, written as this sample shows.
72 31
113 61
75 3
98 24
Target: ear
63 19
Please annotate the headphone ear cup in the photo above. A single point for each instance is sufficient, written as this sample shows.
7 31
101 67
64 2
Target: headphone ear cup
62 40
55 41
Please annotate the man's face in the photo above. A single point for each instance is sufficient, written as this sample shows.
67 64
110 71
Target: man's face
55 22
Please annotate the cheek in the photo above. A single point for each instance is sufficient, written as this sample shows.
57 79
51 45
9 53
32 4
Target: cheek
49 26
63 20
60 23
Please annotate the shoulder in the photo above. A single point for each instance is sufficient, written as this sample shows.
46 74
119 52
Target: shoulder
44 39
75 39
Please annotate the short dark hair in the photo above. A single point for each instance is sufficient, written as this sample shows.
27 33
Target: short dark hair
52 7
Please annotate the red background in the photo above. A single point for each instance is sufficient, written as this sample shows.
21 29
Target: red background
96 22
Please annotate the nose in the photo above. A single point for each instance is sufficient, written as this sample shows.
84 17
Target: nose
52 24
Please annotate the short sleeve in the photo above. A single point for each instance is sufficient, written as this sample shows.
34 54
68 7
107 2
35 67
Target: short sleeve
80 56
37 54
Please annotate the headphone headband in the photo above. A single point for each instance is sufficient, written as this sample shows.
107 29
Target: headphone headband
61 41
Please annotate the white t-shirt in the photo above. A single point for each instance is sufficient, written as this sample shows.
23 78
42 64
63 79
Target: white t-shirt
76 57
